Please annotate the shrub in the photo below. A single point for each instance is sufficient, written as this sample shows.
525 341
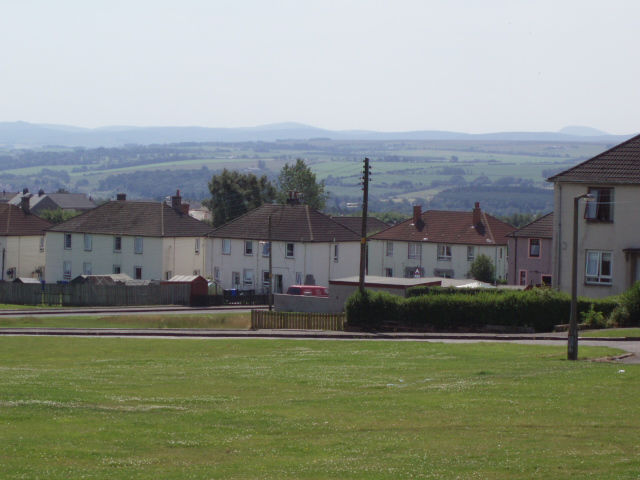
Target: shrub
482 269
593 319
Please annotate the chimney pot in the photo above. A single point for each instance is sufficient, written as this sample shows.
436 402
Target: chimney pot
121 197
176 202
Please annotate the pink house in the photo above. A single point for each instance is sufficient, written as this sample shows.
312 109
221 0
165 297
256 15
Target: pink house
531 252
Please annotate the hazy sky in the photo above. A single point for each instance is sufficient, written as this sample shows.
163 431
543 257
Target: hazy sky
397 65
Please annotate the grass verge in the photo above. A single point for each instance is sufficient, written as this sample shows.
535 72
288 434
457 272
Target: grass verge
106 408
214 320
612 332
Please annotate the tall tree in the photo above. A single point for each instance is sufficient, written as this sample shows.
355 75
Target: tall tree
233 194
482 269
301 179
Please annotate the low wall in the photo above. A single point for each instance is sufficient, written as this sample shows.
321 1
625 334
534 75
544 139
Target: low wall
301 303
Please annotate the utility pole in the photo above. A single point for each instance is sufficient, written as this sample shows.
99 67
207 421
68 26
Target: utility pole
363 240
270 270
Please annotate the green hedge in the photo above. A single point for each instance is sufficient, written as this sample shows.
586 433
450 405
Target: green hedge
540 309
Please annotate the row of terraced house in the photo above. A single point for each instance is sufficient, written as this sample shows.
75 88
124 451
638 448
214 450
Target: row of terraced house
155 241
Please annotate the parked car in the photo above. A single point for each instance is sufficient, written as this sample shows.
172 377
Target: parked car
308 290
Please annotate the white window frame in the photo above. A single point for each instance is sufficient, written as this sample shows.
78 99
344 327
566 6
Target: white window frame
226 246
67 241
248 248
389 251
290 250
86 268
266 246
265 278
216 274
138 245
247 277
532 245
336 252
523 277
168 274
471 253
415 251
600 209
42 243
66 269
444 251
235 279
135 273
88 242
593 269
196 273
117 269
117 243
197 246
388 272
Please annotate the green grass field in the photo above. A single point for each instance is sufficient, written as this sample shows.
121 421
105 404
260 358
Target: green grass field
210 320
113 408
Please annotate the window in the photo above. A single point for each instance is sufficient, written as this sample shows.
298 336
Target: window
117 244
86 268
598 268
40 271
298 278
235 277
168 275
117 269
600 209
196 273
88 241
137 273
471 253
534 247
265 278
290 250
67 241
266 247
248 247
11 272
66 270
546 279
335 252
216 274
389 249
247 276
415 250
226 246
42 243
444 252
137 244
388 272
197 246
443 273
523 277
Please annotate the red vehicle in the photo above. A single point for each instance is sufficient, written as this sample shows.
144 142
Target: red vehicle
308 290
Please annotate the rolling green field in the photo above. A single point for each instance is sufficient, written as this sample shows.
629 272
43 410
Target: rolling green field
110 408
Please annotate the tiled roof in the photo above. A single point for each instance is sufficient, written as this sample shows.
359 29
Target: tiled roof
355 223
65 201
14 222
145 219
540 228
440 226
620 164
289 223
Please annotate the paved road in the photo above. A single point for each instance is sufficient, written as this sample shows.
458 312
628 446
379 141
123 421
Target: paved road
631 346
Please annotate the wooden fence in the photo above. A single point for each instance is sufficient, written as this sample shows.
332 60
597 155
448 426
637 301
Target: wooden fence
263 319
88 295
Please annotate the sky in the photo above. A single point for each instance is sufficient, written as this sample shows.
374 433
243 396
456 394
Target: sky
397 65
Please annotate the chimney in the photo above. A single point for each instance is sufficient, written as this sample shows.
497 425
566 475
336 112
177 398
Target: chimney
293 198
417 214
25 191
185 208
477 214
121 197
40 192
24 204
176 202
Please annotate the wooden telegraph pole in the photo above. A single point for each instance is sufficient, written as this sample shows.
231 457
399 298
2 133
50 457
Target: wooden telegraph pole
363 240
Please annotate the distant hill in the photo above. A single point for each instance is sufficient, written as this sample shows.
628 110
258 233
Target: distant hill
25 135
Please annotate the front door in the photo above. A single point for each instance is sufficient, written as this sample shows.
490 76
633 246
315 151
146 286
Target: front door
277 280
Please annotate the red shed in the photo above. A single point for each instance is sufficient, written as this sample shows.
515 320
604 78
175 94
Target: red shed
199 287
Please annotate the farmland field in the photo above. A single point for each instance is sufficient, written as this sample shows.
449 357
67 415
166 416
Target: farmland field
107 408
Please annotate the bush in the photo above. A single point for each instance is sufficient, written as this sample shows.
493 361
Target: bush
627 313
593 319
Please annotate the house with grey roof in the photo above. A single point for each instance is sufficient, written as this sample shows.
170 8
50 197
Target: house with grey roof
22 243
608 226
307 247
145 240
53 201
531 253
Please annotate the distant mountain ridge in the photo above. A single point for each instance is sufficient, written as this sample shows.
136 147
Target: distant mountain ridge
25 135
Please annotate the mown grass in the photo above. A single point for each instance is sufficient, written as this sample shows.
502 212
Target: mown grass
612 332
112 408
214 320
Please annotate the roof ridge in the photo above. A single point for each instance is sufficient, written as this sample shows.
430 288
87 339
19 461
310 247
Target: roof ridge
486 220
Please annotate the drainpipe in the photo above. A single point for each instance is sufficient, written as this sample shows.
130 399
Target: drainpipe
2 277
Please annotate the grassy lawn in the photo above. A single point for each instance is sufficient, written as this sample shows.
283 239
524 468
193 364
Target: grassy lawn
213 320
113 408
612 332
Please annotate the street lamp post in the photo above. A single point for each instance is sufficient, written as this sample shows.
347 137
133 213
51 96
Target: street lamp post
572 347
